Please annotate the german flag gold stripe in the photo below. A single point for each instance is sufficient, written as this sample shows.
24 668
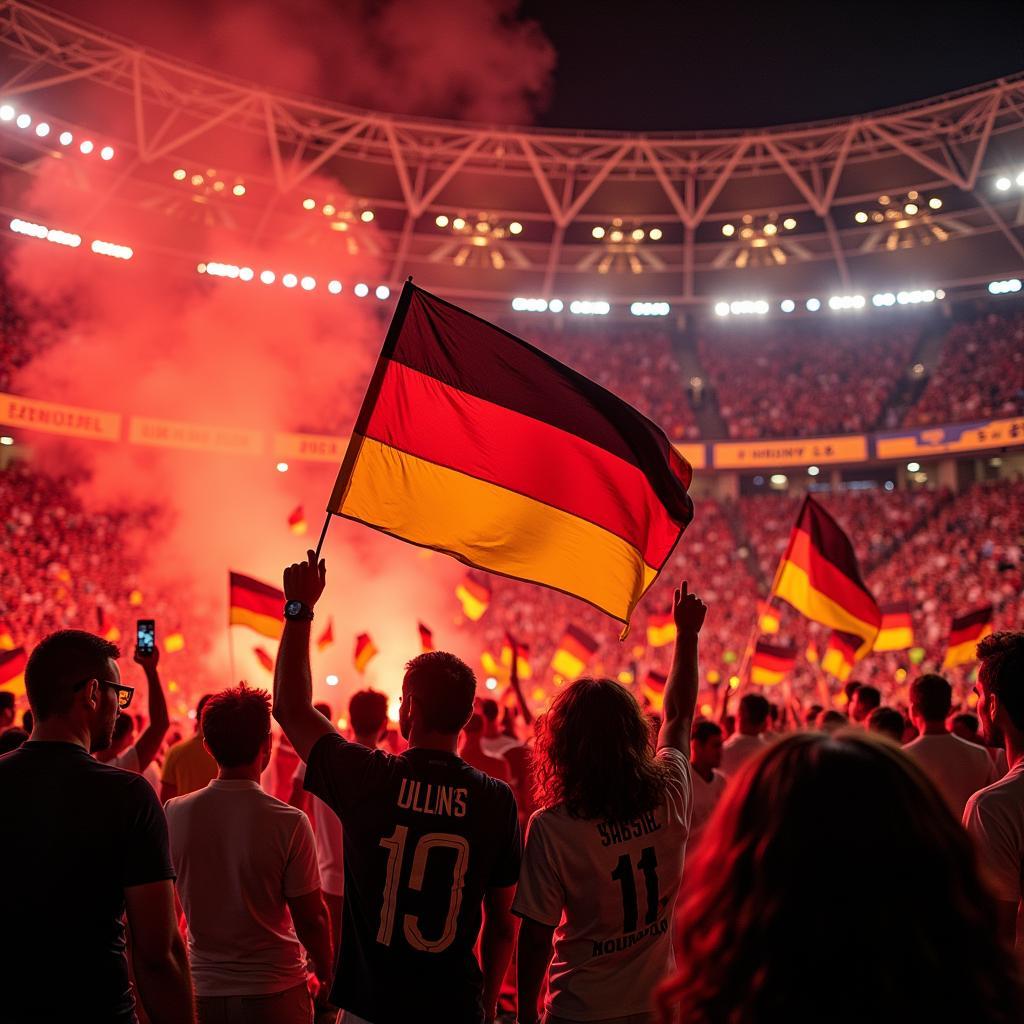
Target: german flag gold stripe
494 528
266 625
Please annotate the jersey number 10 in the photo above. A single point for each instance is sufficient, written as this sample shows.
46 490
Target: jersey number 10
395 845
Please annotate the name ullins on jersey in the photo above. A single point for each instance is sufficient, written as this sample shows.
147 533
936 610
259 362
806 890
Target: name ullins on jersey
612 832
431 798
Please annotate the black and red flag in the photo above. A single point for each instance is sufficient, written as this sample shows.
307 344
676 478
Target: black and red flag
426 637
474 443
964 635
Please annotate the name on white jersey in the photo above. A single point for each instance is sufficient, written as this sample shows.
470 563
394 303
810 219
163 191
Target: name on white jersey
430 798
612 832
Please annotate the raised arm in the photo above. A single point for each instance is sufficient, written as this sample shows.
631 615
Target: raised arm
688 611
293 682
152 736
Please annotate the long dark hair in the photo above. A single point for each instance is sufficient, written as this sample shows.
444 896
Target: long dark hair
833 883
594 754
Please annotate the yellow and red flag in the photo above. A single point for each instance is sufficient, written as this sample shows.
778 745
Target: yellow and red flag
897 630
6 636
767 618
653 688
135 598
575 650
426 637
661 629
364 652
256 605
105 626
964 635
297 521
326 638
840 655
818 575
476 444
771 663
174 642
12 670
474 594
811 652
264 658
523 667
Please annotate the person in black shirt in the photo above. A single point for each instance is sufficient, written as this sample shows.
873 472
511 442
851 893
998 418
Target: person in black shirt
85 842
428 839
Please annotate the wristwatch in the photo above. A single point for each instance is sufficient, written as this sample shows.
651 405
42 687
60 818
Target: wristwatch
298 610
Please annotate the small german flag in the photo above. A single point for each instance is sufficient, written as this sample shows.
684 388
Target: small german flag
474 593
6 636
264 658
897 632
105 627
523 668
818 575
840 655
326 638
364 652
174 642
135 598
426 638
768 620
297 521
653 688
256 605
964 635
12 670
476 444
661 629
575 650
771 663
811 652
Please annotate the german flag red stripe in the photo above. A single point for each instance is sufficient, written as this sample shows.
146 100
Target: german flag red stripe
896 614
970 627
773 657
256 605
12 669
472 442
470 434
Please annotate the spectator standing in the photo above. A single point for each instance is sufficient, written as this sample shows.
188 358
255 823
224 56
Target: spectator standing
708 781
957 767
188 765
247 878
887 722
864 700
749 736
995 815
472 751
87 846
429 841
604 855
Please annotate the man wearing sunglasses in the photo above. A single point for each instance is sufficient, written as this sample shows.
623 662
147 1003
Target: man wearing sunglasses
87 844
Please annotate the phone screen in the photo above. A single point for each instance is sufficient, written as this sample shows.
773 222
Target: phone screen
145 636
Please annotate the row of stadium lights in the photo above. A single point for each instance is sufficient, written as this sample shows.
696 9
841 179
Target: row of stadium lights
837 303
70 239
306 283
1004 184
9 115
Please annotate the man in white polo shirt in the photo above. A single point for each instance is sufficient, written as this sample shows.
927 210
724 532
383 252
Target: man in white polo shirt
248 878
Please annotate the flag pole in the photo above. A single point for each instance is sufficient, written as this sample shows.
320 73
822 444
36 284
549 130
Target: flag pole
231 639
355 441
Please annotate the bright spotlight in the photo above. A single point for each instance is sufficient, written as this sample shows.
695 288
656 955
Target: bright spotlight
308 283
935 203
913 467
813 305
441 220
491 683
334 287
268 276
787 305
789 223
238 190
331 680
654 234
515 228
459 223
361 290
86 147
598 232
382 292
289 280
179 175
245 273
770 229
638 235
366 216
6 440
107 153
42 129
728 230
6 112
910 209
778 479
721 308
860 217
308 204
813 471
24 121
118 252
1020 179
282 467
556 305
1001 183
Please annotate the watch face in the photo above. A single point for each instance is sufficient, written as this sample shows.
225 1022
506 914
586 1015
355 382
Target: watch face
293 608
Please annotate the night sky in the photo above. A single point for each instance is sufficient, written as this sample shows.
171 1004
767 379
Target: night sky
661 65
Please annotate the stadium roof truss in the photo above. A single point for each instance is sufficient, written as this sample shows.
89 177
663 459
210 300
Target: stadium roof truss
560 184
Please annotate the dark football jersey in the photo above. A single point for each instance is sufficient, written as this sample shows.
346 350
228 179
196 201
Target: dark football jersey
425 836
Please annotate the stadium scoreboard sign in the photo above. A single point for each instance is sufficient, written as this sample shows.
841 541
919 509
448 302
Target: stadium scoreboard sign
962 437
772 453
53 418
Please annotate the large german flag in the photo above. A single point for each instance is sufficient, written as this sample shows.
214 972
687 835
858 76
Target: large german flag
12 670
771 663
256 605
964 635
819 577
897 630
474 443
840 655
575 650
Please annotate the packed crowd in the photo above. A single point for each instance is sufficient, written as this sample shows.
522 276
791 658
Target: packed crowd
389 881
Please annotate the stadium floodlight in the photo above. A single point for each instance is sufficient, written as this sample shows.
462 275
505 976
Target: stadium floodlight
308 203
86 147
916 296
282 467
744 307
383 292
721 309
787 305
589 307
441 220
361 290
42 129
366 216
268 276
491 683
813 305
654 234
778 479
556 305
308 283
789 223
1003 184
107 153
1005 287
913 467
23 121
6 440
522 304
289 280
838 302
6 112
650 309
334 287
515 228
245 274
118 252
331 680
884 299
597 232
65 138
238 189
24 227
813 471
935 203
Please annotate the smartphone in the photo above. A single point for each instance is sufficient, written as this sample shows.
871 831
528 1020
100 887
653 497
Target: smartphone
145 636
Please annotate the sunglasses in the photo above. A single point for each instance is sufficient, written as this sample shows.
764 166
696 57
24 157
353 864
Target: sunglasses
124 693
